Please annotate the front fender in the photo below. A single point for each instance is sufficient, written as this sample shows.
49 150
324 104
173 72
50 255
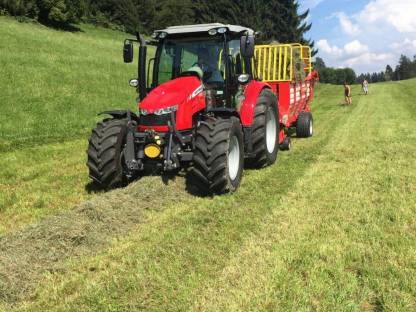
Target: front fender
251 94
120 114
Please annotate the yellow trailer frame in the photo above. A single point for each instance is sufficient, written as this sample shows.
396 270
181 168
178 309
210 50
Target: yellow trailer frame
276 63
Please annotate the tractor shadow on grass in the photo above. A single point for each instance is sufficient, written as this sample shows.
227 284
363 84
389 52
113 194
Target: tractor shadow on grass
170 177
93 187
192 189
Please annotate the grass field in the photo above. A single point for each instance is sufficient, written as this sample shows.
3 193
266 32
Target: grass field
330 227
53 84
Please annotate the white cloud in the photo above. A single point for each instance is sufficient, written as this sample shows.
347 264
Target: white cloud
370 58
351 49
405 45
353 54
401 14
373 37
347 26
328 49
355 48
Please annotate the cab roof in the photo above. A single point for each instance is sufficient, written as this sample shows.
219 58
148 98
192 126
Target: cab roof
186 29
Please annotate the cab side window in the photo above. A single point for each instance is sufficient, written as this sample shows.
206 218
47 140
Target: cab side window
166 64
237 61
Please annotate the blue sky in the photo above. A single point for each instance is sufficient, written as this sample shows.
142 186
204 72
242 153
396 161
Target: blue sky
363 34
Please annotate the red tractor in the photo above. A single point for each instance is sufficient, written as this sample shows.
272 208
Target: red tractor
210 101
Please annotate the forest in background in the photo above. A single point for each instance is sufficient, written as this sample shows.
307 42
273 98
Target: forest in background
277 20
405 69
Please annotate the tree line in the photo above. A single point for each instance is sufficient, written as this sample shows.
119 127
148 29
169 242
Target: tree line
334 75
405 69
277 20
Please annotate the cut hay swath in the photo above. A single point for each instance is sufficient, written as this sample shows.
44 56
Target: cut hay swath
25 256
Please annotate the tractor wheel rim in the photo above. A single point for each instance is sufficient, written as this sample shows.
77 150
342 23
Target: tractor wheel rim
311 127
271 133
233 158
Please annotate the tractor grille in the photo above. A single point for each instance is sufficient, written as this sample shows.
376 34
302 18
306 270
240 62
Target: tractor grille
154 120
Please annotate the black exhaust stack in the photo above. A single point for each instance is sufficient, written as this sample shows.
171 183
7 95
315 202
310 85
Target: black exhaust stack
142 66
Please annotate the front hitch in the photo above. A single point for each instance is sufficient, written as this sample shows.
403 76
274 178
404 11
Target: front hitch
130 155
171 160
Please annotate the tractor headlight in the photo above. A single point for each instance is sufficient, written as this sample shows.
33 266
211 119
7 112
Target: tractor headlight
243 78
162 35
144 112
212 32
134 83
222 30
166 110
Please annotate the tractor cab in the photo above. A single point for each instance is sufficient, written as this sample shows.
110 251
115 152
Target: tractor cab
217 56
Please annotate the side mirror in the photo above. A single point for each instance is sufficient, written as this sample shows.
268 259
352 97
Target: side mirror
247 46
128 51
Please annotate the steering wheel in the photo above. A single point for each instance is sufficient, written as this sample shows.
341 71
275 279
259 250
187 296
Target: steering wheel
206 74
189 73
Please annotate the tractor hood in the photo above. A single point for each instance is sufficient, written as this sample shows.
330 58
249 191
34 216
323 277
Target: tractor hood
172 93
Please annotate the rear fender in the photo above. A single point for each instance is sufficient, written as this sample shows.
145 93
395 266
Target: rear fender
248 107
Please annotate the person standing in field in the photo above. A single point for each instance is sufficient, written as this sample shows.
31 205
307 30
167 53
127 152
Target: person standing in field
365 86
347 93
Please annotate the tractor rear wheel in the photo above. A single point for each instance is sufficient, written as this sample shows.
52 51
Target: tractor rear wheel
265 130
219 156
105 151
304 125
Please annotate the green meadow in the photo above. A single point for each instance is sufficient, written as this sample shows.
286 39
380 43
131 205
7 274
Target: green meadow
330 227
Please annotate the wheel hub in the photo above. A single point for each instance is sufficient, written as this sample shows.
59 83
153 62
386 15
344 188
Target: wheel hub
271 133
311 127
233 158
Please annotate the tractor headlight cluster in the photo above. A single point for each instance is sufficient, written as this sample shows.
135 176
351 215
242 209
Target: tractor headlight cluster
159 35
214 31
166 110
162 111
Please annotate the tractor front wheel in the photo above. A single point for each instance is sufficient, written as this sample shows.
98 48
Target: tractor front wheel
105 152
219 156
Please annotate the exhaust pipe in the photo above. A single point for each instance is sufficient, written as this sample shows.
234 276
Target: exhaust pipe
142 66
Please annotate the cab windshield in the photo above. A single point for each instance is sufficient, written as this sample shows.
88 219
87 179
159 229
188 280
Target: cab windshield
202 56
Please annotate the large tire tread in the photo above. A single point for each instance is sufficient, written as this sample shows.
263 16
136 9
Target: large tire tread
210 170
302 125
104 153
262 157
